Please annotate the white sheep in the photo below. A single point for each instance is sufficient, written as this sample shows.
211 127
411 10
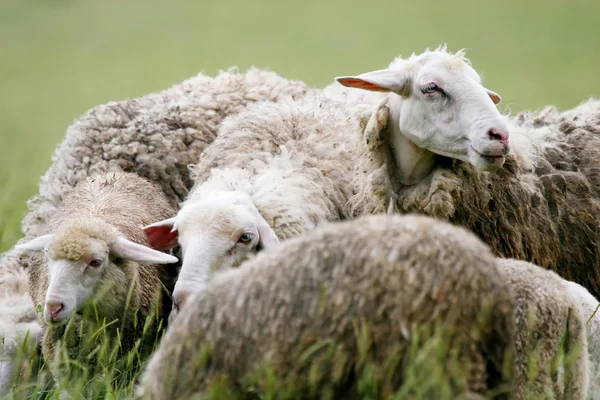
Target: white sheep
93 254
548 320
437 106
274 171
591 315
540 204
345 299
18 322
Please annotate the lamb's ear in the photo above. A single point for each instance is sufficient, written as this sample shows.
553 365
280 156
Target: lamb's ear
493 95
267 239
383 80
39 243
162 235
128 250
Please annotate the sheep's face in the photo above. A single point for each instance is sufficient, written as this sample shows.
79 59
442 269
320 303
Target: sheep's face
83 269
442 107
72 280
215 234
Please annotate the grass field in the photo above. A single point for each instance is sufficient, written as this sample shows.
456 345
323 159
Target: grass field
61 57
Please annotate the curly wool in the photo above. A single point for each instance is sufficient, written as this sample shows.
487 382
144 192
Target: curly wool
18 320
393 273
292 157
546 311
543 206
156 136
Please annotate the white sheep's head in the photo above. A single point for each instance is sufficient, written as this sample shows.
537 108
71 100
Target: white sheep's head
215 232
442 106
82 255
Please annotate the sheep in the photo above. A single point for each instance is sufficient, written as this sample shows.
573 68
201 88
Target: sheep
93 253
542 205
393 274
546 309
437 106
590 314
18 323
274 171
157 136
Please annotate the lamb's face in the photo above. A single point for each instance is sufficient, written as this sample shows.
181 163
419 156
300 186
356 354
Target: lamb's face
72 280
215 234
442 107
77 266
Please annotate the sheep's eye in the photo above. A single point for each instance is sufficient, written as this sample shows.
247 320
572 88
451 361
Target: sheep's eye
95 263
245 238
430 88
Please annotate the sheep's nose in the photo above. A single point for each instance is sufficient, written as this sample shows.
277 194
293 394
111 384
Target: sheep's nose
54 307
180 296
498 135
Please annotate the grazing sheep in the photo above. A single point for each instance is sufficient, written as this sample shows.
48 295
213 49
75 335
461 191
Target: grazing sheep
95 254
542 206
274 171
592 316
545 311
392 275
18 321
157 136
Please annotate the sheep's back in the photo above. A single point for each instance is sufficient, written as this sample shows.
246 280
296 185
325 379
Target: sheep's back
392 273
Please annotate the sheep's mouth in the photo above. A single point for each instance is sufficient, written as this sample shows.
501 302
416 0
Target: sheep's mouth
494 159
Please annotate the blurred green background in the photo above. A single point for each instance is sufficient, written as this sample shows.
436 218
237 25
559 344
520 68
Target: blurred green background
58 58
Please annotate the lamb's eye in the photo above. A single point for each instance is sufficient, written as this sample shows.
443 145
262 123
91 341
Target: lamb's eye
95 263
245 238
430 88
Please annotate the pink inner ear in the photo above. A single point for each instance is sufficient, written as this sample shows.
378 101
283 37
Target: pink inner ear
161 237
495 97
361 84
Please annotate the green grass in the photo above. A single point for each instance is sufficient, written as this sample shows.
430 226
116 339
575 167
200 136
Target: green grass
58 58
431 365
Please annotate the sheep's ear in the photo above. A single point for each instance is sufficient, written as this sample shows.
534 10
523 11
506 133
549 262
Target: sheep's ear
267 239
39 243
162 235
493 95
383 80
128 250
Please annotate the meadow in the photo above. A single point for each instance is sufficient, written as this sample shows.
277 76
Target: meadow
59 58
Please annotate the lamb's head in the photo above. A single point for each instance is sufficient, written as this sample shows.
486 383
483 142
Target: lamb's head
441 106
84 255
216 232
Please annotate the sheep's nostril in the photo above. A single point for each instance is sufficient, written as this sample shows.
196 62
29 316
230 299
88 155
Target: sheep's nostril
498 135
54 308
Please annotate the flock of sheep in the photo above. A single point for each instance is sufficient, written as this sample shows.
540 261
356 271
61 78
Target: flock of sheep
254 216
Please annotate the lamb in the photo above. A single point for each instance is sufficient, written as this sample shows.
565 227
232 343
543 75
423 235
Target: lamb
392 275
97 268
18 324
590 314
539 203
545 310
275 170
156 136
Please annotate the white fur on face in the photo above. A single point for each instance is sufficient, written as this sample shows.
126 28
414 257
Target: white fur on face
72 283
456 121
209 234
